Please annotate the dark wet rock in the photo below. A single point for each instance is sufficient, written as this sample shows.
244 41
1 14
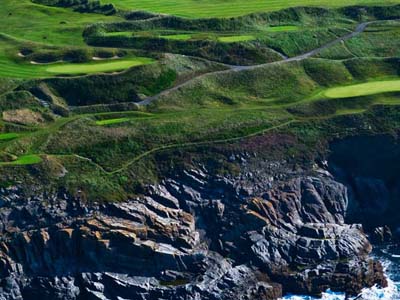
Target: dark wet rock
381 235
268 231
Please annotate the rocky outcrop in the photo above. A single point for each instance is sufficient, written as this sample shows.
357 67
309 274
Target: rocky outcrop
258 235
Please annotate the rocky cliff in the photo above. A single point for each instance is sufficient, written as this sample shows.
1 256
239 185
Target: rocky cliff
268 230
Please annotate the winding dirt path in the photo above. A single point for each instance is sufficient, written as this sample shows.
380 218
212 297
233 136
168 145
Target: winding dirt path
359 29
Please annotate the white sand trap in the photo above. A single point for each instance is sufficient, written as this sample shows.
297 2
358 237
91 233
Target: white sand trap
101 58
46 63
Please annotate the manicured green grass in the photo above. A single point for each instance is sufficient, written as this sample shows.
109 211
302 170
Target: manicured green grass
13 67
363 89
8 136
229 8
212 109
122 117
23 161
283 28
112 121
23 23
189 36
236 38
177 37
50 25
98 67
223 39
120 33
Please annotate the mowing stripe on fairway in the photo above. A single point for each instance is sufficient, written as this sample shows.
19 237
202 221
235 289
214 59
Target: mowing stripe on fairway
363 89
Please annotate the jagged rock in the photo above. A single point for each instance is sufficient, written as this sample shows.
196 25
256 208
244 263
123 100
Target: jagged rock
193 236
381 235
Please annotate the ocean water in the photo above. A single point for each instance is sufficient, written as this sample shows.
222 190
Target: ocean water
390 258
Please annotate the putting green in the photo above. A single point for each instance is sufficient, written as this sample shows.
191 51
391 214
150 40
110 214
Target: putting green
236 38
98 67
363 89
177 37
112 121
283 28
13 67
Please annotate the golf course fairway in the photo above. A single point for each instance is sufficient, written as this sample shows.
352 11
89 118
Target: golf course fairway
98 67
363 89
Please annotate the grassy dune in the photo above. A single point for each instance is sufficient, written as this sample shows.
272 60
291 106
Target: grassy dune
230 8
363 89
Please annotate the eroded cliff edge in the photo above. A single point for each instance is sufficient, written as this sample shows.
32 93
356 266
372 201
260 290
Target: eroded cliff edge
266 227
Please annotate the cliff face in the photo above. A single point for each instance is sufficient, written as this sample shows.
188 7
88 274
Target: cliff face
369 167
269 230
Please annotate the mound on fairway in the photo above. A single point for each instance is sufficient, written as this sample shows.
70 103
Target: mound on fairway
363 89
99 67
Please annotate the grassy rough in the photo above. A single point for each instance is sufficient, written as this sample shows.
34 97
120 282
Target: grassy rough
129 86
379 40
91 127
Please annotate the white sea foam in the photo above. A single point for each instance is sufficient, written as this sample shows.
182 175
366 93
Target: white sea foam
328 295
391 292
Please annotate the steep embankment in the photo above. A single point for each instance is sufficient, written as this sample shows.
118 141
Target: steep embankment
369 167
